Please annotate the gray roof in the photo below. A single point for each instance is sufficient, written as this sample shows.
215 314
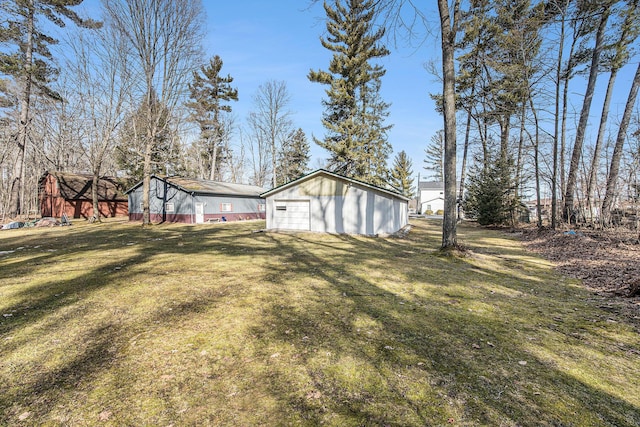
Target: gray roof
204 186
431 185
215 187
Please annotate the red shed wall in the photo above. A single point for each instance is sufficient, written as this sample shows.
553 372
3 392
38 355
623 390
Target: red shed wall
54 205
51 204
84 208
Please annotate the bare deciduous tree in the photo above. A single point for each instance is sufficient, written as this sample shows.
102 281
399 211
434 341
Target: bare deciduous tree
270 124
259 153
617 152
163 43
603 10
101 86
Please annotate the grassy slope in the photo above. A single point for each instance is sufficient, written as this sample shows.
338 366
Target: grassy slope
113 324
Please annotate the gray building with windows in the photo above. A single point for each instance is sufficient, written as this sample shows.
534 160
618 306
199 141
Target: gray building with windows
195 201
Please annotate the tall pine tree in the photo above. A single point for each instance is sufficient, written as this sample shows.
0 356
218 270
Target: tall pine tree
434 156
210 93
491 193
293 159
354 112
31 65
401 174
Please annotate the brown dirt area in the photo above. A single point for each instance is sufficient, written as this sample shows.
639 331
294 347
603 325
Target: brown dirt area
606 261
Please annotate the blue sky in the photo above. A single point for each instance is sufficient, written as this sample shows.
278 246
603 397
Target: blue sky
279 40
260 41
264 40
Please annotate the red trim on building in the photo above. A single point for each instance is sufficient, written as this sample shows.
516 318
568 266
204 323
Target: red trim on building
190 219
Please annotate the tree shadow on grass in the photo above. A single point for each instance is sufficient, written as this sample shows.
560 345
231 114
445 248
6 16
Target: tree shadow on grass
369 331
37 301
30 395
382 355
44 307
52 304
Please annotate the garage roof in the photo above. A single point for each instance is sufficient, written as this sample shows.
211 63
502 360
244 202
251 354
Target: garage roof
334 175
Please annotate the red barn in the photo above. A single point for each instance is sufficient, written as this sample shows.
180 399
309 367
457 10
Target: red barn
70 193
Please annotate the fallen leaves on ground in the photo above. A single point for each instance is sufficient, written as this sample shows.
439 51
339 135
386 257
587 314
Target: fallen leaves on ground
606 261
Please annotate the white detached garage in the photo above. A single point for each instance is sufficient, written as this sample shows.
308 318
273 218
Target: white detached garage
324 201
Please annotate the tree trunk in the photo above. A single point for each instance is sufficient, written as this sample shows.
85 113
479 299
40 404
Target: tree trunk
214 160
94 194
595 161
17 182
565 101
274 180
536 158
584 117
448 30
505 126
217 129
617 151
149 144
519 156
97 165
146 180
563 138
464 160
483 131
556 133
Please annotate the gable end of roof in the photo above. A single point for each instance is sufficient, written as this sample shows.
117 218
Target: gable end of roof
334 175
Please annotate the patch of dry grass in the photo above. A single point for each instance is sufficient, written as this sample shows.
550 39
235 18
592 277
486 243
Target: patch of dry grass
113 324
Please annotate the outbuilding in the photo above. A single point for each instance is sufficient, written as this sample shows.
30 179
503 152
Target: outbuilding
324 201
70 193
195 201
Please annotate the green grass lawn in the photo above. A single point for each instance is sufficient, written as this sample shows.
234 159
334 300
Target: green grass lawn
112 324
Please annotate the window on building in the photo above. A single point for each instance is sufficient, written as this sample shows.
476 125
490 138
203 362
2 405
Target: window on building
141 207
281 207
169 207
225 207
262 207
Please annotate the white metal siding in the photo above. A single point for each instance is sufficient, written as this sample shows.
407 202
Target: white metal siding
352 209
291 214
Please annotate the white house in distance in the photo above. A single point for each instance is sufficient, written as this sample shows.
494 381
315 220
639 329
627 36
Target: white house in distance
324 201
430 196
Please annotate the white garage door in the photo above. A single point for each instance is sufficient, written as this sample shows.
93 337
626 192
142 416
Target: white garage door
291 215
